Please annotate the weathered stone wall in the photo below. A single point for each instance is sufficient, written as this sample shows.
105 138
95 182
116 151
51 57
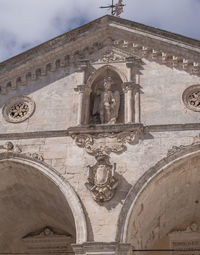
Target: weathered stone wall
56 110
71 161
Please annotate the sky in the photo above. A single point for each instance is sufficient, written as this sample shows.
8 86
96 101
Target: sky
27 23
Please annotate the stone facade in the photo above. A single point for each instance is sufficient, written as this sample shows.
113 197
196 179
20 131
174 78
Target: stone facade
96 169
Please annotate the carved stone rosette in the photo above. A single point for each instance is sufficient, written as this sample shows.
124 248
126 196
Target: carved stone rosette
191 98
18 109
102 182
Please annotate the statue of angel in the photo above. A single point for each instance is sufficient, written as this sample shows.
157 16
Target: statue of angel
107 103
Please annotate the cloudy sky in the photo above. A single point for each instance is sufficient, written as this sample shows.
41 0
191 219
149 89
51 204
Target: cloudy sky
27 23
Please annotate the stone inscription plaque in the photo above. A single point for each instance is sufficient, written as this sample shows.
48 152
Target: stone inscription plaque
185 242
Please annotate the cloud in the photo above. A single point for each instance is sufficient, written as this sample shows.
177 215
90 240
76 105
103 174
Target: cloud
27 23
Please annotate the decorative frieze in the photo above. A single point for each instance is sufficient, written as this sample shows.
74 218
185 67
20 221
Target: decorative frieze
52 62
186 241
48 241
167 58
9 147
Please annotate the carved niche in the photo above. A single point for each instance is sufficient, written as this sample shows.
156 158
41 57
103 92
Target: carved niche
106 100
108 119
48 240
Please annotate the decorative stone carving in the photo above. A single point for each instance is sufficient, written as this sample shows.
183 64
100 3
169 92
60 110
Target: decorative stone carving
184 241
106 103
111 56
101 180
18 109
10 147
191 97
48 241
106 142
175 149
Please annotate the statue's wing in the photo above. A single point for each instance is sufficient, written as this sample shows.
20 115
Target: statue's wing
117 101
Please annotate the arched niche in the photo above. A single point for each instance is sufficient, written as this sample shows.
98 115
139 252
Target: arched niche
114 96
35 201
164 200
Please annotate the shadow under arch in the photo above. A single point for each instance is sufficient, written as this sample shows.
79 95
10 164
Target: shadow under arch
102 71
170 168
7 159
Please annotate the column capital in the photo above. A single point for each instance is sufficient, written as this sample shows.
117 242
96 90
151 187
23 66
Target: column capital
83 89
133 62
96 248
83 64
131 85
80 88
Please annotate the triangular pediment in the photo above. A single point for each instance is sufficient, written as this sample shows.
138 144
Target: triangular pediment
107 39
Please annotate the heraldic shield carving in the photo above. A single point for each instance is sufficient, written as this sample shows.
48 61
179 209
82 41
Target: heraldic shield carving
101 180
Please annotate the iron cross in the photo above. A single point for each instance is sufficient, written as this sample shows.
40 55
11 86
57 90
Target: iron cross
116 9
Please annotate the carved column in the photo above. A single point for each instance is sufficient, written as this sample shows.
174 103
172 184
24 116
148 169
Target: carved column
80 89
128 104
137 99
133 66
84 95
87 105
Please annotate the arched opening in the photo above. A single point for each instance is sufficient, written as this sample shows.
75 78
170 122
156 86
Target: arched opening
37 209
164 208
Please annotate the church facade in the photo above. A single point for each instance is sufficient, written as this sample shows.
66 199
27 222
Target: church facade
100 143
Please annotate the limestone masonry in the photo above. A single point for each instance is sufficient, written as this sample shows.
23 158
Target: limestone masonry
100 143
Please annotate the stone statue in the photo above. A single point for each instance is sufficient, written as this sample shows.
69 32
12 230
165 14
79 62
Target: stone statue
106 103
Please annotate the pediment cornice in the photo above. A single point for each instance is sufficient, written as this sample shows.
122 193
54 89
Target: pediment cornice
109 35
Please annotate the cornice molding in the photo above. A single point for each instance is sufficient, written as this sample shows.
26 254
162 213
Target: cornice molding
126 37
85 130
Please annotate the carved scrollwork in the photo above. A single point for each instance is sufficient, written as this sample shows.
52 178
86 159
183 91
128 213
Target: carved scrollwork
106 142
176 149
10 147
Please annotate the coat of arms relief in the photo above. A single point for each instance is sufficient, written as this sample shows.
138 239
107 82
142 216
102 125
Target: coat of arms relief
101 179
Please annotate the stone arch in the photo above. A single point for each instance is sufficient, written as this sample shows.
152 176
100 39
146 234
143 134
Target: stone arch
10 160
102 70
164 199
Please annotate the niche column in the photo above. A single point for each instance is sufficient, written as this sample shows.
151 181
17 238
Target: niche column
128 98
80 89
132 91
84 95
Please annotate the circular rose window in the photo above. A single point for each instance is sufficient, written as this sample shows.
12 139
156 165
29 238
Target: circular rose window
18 109
191 98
